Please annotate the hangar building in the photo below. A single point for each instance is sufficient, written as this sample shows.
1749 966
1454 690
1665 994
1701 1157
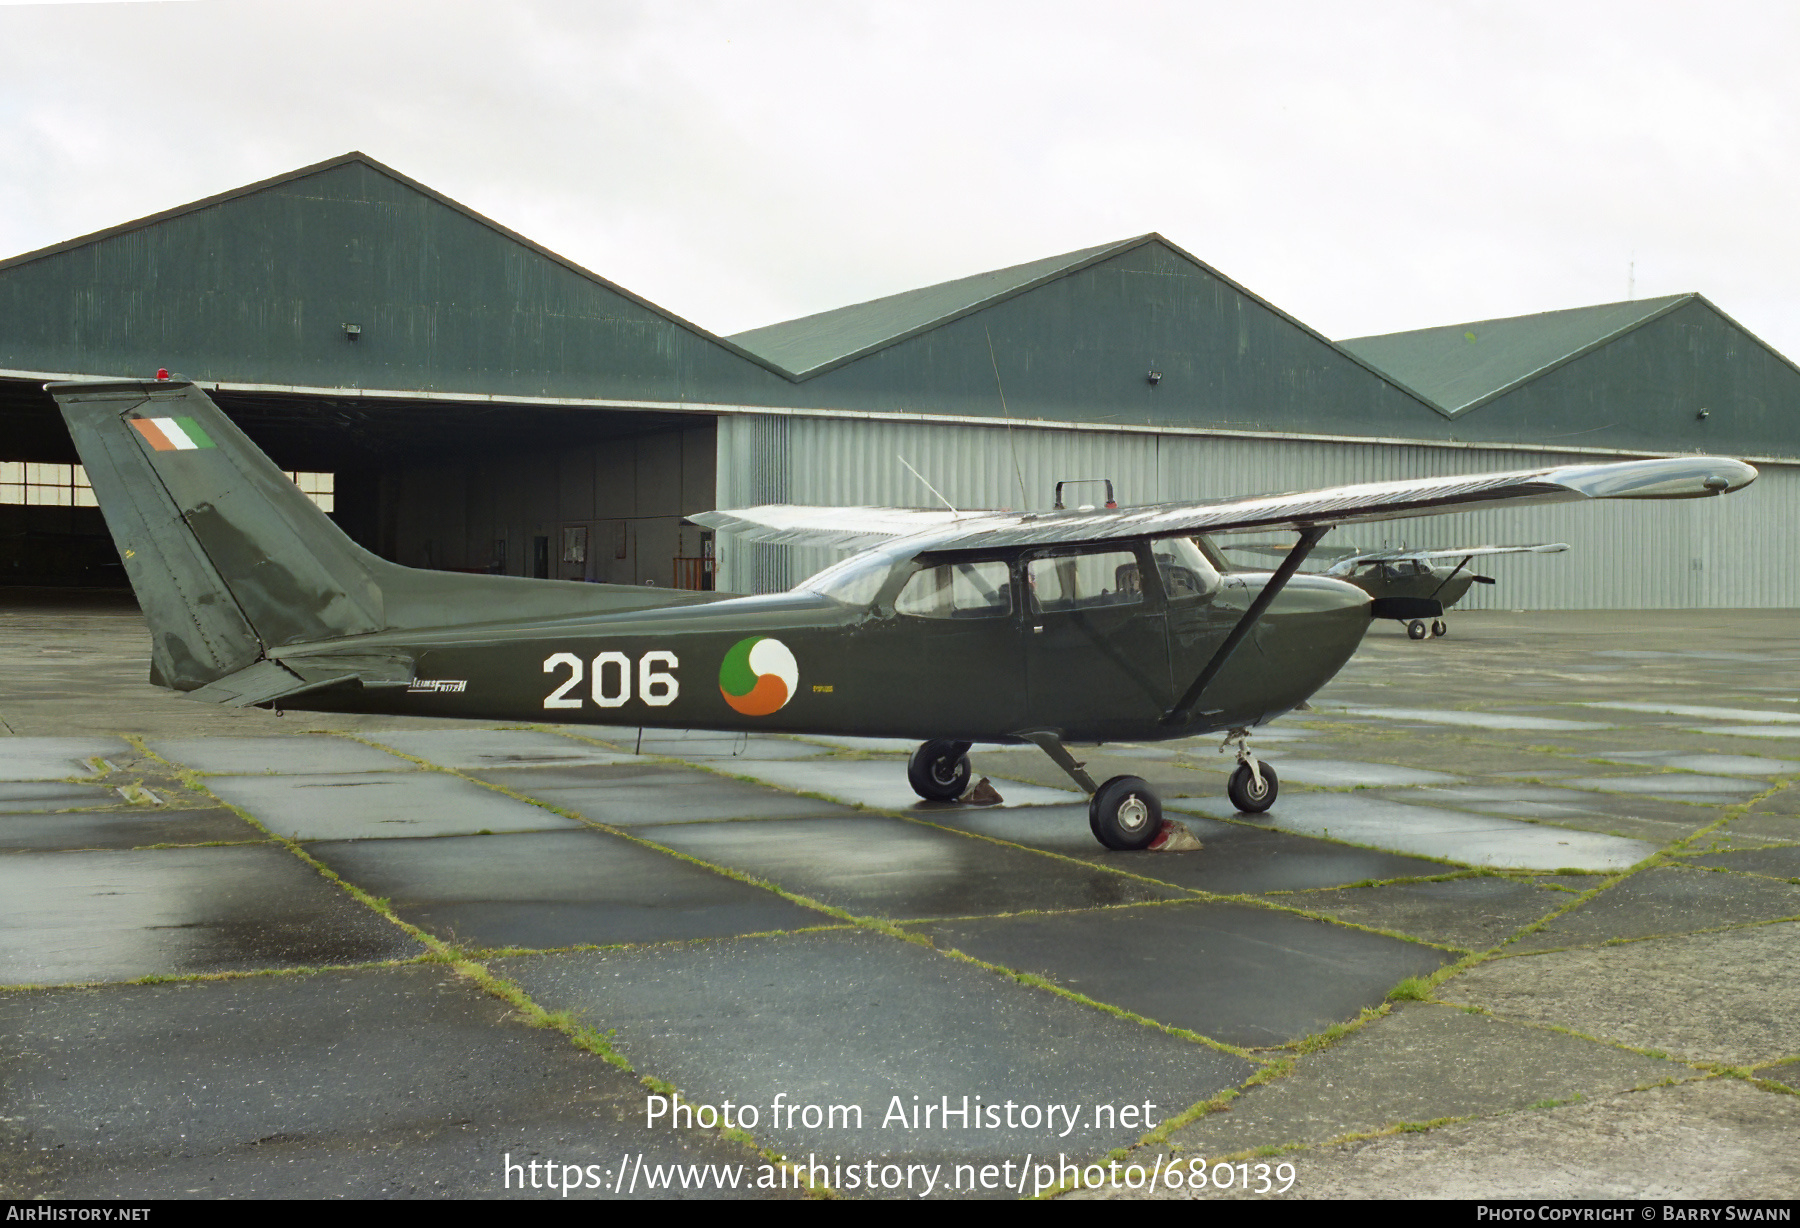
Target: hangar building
463 398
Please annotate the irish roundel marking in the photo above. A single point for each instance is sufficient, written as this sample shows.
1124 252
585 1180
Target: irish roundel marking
758 676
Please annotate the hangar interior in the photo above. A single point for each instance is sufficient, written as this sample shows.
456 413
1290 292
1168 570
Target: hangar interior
473 401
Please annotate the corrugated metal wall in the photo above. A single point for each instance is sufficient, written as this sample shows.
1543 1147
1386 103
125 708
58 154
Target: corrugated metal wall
1735 552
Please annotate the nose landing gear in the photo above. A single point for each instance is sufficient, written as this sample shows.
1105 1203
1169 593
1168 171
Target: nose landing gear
1253 786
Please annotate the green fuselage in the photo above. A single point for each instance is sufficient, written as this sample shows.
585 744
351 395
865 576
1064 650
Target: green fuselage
1109 673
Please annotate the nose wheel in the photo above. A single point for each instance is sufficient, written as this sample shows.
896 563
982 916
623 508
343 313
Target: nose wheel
1253 787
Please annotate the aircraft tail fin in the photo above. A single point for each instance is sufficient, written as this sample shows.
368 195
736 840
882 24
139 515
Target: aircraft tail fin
229 559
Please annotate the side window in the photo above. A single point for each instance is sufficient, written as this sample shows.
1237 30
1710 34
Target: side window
1067 582
1186 572
958 590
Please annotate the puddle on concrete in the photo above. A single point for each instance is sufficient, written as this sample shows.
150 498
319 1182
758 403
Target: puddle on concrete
124 828
1340 773
1681 786
1788 732
1476 720
1705 713
1730 765
882 783
22 797
304 753
638 793
876 865
557 889
380 805
120 915
495 748
50 758
1470 839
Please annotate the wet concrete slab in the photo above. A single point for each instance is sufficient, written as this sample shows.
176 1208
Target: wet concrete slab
1667 900
1667 994
380 805
1341 774
1421 1062
110 916
860 1019
882 785
26 797
122 828
495 748
297 755
1474 840
1658 1143
1754 716
634 793
1674 786
1242 975
1784 732
702 744
24 758
1778 861
557 889
877 866
1236 858
1472 720
1637 816
401 1082
1729 765
1474 914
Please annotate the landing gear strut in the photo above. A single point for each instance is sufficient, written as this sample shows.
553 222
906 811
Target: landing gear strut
940 771
1124 813
1253 786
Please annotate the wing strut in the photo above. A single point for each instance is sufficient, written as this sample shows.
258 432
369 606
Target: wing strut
1453 574
1309 537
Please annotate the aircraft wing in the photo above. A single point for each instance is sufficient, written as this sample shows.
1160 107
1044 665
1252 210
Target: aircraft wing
848 528
1465 552
1681 477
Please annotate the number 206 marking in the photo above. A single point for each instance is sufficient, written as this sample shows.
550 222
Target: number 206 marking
612 679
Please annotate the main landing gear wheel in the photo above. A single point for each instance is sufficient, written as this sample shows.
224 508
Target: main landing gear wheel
1417 630
1439 629
1125 813
1250 795
940 771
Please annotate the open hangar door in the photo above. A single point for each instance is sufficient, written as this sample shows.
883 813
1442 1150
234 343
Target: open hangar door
505 488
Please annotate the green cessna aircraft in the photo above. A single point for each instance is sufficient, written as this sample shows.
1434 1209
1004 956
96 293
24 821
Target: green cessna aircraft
1403 585
1087 625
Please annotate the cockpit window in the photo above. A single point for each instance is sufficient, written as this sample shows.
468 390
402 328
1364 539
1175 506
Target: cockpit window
1185 570
958 590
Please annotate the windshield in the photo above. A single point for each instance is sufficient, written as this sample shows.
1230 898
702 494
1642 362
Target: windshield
855 581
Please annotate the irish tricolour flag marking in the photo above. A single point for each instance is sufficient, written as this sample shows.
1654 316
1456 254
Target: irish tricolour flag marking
173 434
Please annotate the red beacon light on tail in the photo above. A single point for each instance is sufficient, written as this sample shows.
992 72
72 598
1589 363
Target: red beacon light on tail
162 373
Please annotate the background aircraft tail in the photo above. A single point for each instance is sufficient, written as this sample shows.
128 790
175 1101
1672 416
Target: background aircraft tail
231 562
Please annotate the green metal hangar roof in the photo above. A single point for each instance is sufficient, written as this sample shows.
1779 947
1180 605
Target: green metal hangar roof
358 321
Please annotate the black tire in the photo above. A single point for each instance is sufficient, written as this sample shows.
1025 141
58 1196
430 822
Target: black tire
1125 813
1244 793
940 771
1439 629
1416 629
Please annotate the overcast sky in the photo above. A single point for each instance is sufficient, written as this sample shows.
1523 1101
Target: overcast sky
1366 167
